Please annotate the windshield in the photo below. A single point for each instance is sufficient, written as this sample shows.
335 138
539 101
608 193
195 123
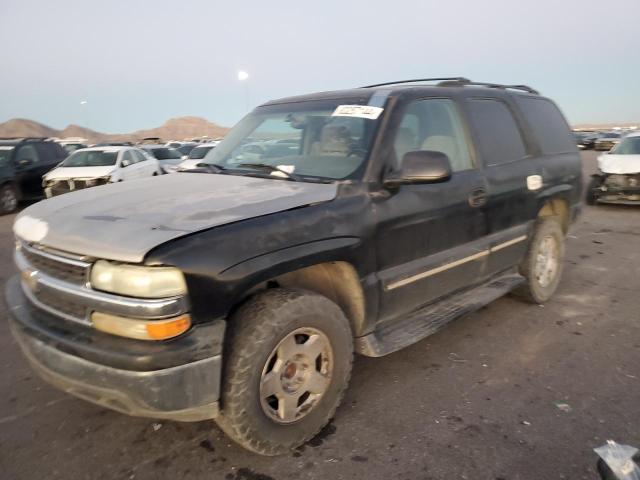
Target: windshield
199 152
164 153
300 140
91 158
628 146
5 155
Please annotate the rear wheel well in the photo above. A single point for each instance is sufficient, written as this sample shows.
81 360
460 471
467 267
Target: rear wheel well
556 207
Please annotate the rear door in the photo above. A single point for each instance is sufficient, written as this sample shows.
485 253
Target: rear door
29 170
428 236
513 177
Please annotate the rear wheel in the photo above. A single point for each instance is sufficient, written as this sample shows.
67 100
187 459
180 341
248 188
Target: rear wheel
8 199
288 364
542 265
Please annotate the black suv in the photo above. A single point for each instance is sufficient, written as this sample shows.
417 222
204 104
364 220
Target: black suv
23 162
240 291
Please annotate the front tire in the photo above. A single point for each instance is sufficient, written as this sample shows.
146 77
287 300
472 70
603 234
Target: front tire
543 262
8 199
287 366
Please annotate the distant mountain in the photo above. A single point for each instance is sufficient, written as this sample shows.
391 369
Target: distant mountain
174 129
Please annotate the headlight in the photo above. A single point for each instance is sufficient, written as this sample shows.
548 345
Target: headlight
136 281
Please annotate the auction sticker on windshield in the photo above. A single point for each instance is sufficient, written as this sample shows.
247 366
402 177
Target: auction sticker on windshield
359 111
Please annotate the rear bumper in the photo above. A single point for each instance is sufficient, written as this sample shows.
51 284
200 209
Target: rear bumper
182 390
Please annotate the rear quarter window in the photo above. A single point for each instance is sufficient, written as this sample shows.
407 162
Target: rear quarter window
547 124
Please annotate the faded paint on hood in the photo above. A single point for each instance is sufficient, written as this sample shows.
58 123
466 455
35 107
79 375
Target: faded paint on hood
79 172
619 164
124 221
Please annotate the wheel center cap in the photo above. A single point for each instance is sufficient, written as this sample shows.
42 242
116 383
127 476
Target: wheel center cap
290 371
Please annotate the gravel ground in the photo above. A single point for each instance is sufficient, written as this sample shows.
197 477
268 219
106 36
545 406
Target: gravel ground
514 391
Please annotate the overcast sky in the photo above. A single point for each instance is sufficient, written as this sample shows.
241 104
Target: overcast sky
138 63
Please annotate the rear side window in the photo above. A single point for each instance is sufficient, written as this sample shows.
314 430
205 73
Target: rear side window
548 125
499 138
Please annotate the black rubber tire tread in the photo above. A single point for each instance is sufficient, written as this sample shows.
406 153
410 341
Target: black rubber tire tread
590 197
4 187
531 291
254 331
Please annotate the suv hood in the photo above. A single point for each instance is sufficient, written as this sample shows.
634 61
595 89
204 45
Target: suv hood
619 164
79 172
124 221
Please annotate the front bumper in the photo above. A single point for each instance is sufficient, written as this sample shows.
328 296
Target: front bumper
176 379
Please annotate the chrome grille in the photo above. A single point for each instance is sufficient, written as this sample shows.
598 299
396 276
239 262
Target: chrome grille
62 268
60 304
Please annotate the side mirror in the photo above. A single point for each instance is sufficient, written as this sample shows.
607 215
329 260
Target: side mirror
422 166
25 162
125 163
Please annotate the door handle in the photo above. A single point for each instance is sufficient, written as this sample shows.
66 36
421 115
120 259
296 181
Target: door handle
478 197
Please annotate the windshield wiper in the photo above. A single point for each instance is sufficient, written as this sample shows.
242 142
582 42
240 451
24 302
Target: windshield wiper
271 168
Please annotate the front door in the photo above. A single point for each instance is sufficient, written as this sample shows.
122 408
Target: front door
428 238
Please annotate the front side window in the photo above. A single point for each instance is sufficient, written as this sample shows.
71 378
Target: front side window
628 146
309 139
434 124
27 152
499 137
5 155
91 158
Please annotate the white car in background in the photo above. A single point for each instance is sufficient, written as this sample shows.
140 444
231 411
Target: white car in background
196 155
168 157
618 176
90 167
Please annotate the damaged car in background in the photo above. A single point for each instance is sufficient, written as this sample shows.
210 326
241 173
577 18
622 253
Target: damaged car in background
90 167
618 177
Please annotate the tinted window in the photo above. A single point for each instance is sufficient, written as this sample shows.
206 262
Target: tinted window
5 155
199 152
433 124
163 153
27 152
548 125
499 138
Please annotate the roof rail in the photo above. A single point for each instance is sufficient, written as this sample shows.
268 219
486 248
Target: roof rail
458 82
465 82
24 139
416 80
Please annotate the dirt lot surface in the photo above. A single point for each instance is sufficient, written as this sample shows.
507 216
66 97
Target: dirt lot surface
514 391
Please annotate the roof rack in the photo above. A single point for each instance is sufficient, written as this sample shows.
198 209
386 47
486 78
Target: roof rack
465 82
459 82
417 80
24 139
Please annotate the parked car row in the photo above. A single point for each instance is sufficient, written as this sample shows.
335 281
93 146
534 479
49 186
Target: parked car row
602 141
31 168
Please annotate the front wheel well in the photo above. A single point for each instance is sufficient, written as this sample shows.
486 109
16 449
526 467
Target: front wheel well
338 281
